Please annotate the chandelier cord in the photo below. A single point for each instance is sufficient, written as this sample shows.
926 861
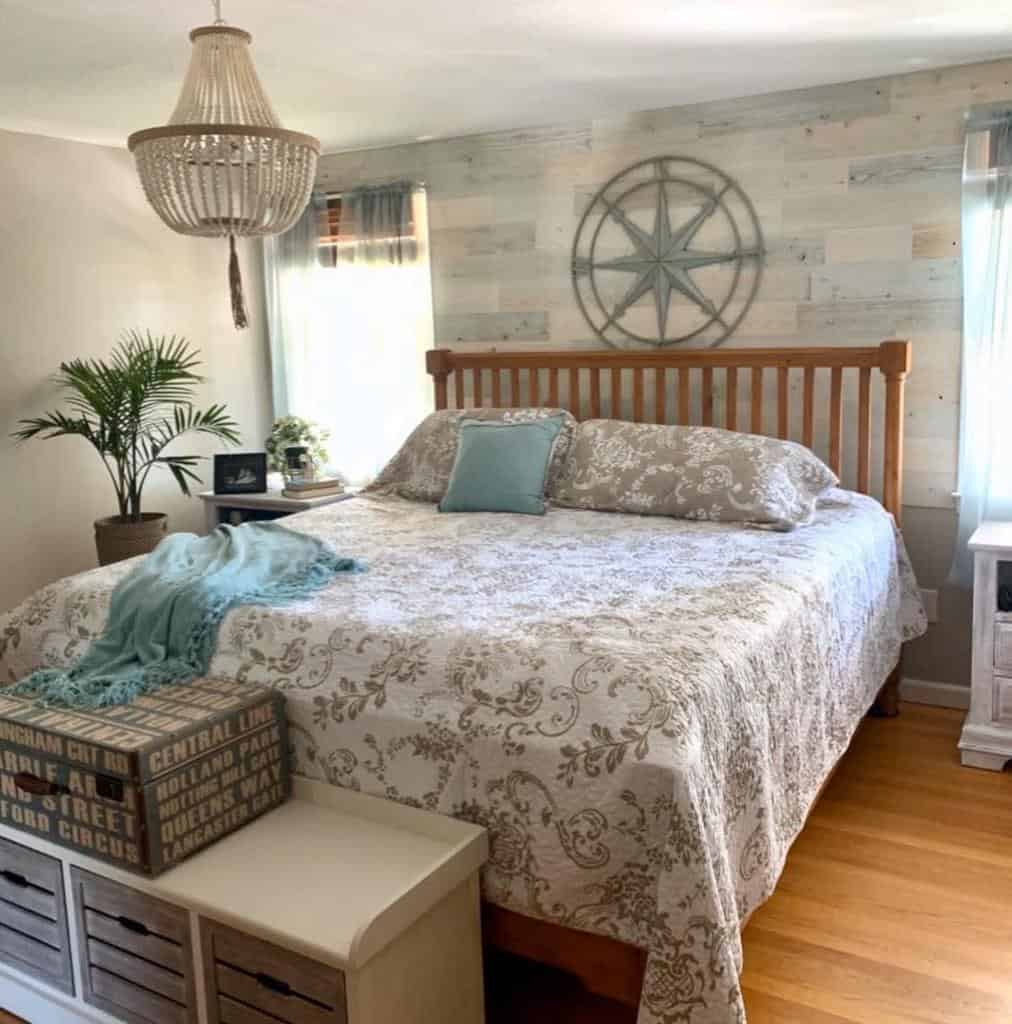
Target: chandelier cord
218 19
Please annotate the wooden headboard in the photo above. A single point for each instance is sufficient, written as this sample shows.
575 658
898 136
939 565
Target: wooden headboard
692 385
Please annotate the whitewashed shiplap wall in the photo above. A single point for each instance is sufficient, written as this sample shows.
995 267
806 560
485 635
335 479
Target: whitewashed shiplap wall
857 188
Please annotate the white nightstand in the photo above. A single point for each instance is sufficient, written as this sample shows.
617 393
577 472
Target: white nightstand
219 508
986 741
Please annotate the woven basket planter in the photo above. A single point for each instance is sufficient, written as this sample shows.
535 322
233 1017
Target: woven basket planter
116 540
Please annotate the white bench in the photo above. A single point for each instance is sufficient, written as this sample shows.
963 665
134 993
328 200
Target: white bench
335 908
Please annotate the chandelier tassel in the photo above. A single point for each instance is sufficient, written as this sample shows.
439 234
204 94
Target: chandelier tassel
239 317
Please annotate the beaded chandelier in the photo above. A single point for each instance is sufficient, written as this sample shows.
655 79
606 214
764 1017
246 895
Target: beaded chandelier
223 166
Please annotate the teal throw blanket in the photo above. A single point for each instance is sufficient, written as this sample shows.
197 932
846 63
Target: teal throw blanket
164 616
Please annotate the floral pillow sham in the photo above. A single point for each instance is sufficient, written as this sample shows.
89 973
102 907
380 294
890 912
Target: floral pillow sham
421 469
691 473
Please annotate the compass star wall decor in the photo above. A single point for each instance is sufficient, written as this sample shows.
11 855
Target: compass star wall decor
670 249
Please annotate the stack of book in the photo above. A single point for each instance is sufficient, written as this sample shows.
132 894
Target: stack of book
306 489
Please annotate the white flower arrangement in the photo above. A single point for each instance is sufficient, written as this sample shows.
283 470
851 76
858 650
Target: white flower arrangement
295 432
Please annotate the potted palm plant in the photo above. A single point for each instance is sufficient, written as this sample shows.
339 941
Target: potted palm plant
130 409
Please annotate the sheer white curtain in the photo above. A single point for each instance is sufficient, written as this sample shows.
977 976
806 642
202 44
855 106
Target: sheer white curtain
349 334
291 269
985 440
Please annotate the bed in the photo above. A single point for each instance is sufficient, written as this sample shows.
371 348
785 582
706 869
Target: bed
641 710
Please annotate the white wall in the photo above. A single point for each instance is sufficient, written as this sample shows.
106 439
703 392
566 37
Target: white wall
82 257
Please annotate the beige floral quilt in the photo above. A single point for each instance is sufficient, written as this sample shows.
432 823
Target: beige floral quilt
640 709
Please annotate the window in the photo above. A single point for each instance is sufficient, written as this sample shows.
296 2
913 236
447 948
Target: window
353 323
985 443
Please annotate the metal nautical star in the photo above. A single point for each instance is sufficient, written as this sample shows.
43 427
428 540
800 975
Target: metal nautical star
701 259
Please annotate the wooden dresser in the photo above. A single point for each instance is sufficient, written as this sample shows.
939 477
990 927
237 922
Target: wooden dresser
335 908
986 740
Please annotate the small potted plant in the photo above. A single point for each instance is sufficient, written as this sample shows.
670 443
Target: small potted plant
297 448
130 409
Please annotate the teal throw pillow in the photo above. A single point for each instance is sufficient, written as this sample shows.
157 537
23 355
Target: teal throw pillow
501 467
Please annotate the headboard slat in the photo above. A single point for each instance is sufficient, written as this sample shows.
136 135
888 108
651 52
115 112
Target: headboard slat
638 394
808 409
684 411
845 429
660 394
783 407
707 408
836 420
595 392
731 398
757 400
864 430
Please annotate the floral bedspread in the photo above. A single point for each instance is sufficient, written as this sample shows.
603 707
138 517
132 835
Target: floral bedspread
641 710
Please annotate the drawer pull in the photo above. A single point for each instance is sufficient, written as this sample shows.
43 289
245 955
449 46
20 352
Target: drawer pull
15 879
137 927
282 988
35 786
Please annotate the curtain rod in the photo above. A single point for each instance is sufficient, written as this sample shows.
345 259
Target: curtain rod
987 115
337 193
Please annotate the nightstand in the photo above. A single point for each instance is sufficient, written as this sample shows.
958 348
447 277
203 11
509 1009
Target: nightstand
986 741
240 508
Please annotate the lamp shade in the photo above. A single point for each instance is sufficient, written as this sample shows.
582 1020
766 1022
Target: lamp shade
224 166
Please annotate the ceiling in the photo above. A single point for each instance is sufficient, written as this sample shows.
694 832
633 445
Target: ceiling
367 74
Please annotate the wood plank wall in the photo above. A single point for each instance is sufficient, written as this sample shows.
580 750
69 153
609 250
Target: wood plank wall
857 187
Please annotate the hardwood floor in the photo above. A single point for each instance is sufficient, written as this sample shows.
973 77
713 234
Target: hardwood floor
895 906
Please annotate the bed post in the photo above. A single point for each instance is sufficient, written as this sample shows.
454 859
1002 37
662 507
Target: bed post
887 703
437 363
894 361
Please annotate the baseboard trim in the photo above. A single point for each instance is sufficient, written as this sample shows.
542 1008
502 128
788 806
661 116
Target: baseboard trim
941 695
32 1001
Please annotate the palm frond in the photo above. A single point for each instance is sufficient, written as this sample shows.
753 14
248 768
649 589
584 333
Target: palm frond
57 424
180 467
158 372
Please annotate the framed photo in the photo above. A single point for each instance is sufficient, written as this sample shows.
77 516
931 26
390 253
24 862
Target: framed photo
242 473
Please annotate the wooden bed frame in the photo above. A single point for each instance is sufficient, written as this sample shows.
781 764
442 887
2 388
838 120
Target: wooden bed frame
724 387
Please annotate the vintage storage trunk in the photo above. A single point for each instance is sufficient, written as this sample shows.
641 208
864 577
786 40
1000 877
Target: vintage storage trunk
143 785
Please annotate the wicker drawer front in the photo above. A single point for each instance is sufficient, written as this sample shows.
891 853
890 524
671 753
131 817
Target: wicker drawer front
136 951
253 982
1003 645
33 916
1003 699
